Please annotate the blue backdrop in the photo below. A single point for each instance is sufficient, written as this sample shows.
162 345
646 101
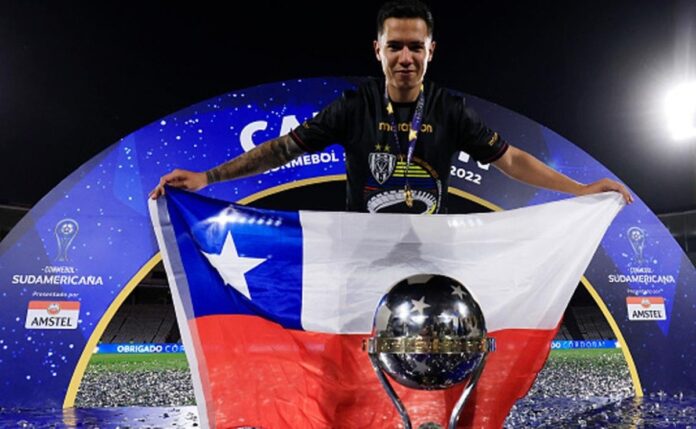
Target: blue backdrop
69 264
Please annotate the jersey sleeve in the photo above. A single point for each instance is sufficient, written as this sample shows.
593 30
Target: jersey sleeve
476 139
331 125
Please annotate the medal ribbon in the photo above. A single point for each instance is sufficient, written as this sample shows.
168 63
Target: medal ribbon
416 121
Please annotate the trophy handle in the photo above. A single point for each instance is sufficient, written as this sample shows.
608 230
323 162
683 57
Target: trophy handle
392 394
454 418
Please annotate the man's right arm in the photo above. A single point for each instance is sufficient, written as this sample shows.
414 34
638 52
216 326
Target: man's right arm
270 154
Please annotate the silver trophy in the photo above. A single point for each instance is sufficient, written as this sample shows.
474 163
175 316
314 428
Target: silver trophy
65 232
429 333
636 236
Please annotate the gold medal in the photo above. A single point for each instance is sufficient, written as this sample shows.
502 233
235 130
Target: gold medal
408 196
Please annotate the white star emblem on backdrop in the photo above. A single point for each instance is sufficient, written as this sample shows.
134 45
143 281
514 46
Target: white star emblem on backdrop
419 306
232 267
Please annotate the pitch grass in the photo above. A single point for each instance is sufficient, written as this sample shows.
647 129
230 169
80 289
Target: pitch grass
601 358
584 353
160 362
137 362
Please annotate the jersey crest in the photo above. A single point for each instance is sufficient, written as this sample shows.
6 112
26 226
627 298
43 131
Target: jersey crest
382 165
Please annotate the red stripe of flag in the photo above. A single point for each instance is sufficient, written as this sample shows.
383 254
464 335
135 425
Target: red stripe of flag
260 374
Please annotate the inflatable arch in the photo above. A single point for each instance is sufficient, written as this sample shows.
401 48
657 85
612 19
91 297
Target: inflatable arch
73 259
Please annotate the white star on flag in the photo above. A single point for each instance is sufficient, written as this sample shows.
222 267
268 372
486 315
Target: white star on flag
419 305
457 290
232 267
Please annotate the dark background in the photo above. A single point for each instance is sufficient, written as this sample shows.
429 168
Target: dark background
76 76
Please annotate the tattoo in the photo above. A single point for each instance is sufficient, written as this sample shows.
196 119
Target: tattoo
212 176
270 154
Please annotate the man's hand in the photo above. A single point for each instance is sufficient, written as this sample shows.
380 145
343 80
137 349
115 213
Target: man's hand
183 179
606 185
269 154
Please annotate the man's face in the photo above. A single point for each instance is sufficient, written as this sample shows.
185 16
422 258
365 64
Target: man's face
404 48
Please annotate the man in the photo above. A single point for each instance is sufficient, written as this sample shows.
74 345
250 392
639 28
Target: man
399 133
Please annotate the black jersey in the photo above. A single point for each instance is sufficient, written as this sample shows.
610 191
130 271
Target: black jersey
376 172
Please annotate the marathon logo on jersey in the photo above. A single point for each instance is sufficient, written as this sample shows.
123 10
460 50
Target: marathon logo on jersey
646 308
52 315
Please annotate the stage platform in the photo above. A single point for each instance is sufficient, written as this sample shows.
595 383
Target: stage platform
657 411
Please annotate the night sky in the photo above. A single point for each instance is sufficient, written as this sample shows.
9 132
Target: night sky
77 76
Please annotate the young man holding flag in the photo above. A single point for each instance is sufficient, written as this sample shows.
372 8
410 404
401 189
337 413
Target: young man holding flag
275 304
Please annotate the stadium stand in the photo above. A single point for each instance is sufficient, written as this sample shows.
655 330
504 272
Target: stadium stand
10 214
564 334
147 315
592 324
140 323
682 226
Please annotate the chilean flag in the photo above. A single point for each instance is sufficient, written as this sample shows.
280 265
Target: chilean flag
273 306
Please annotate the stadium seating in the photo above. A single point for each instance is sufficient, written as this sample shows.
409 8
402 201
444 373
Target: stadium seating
141 323
592 323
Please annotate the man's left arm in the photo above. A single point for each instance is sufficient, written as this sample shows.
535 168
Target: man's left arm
524 167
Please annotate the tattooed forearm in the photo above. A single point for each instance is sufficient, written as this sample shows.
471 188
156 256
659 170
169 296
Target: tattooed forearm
270 154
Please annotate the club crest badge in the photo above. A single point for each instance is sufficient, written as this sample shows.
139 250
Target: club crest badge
382 166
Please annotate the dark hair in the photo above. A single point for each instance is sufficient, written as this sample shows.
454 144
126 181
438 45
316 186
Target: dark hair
404 9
